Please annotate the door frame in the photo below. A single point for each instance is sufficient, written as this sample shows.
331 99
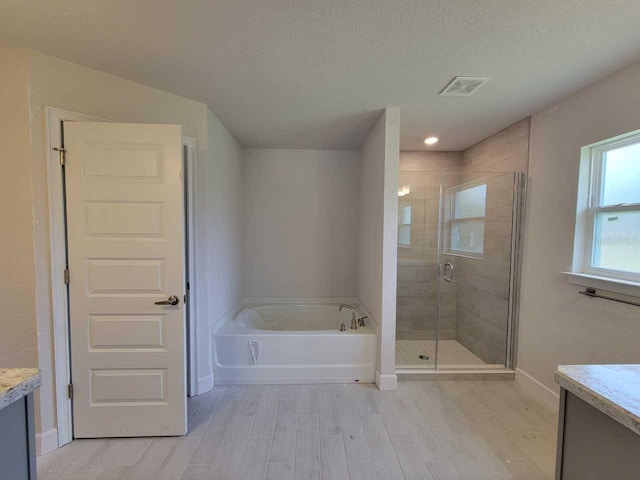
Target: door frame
58 263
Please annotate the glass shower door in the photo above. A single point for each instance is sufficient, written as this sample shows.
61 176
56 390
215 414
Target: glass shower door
478 242
417 290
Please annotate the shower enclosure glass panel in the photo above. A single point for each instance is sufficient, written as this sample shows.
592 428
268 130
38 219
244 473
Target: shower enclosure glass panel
457 261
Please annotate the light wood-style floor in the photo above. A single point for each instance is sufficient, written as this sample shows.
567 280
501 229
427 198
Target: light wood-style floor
435 430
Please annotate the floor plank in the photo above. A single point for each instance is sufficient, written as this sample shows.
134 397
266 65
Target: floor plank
178 459
308 400
151 459
266 413
254 464
362 471
279 471
202 416
411 462
284 434
328 410
355 441
333 461
442 470
434 430
197 472
213 438
114 473
307 452
383 456
233 448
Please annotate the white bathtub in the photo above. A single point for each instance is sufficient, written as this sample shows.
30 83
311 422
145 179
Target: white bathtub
297 344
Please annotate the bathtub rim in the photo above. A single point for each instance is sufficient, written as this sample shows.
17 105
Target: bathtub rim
222 327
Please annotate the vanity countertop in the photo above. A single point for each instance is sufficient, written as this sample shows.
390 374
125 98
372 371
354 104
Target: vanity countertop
16 383
612 389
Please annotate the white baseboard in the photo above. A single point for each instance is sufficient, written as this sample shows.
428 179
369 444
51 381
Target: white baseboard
538 389
386 382
205 384
46 442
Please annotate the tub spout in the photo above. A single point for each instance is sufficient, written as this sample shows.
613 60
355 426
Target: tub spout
354 325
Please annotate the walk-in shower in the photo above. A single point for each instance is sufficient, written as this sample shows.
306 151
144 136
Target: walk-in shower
458 249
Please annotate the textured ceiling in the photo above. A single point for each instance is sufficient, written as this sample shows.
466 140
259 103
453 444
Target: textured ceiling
314 73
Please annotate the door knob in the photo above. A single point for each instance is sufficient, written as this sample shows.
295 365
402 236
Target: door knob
172 300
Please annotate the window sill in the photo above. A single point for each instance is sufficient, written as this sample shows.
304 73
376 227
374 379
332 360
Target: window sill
623 287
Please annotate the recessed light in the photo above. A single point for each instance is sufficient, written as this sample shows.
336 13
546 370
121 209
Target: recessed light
431 140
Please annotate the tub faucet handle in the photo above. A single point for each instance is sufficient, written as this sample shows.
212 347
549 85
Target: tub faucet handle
361 321
353 314
343 327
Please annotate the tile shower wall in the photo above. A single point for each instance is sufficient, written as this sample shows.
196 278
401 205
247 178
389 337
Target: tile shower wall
483 284
416 310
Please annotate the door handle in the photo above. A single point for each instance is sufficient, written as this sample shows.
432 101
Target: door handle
447 278
172 300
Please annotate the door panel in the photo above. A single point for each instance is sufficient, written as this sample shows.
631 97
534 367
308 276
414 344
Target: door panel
125 227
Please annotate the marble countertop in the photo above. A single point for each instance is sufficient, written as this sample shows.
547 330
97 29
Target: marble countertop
612 389
16 383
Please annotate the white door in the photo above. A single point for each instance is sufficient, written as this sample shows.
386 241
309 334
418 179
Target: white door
125 230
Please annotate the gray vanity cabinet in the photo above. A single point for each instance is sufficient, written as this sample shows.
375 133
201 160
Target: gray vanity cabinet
17 440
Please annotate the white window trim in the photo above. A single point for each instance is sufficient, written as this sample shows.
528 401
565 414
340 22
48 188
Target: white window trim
588 207
451 220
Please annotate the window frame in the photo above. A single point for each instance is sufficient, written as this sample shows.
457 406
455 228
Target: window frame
451 220
405 225
595 154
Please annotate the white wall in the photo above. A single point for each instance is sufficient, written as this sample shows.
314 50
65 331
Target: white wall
58 83
377 236
557 325
18 341
301 227
225 221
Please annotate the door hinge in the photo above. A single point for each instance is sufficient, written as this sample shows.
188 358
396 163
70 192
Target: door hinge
70 391
61 154
66 276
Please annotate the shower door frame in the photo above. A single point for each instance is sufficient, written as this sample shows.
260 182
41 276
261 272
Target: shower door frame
517 241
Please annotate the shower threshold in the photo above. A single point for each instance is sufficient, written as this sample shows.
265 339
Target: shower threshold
464 373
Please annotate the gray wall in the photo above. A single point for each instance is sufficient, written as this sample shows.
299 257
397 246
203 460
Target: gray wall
557 325
301 228
19 340
417 264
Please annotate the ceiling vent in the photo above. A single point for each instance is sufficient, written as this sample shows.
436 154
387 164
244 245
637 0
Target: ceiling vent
463 86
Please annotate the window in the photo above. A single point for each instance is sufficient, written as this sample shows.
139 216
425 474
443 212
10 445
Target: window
466 218
404 226
610 229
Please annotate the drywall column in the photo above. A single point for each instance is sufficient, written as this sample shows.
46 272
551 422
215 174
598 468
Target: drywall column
377 237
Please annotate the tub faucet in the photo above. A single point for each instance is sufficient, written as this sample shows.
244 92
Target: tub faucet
354 325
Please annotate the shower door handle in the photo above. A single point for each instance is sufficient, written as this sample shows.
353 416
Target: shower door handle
447 278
